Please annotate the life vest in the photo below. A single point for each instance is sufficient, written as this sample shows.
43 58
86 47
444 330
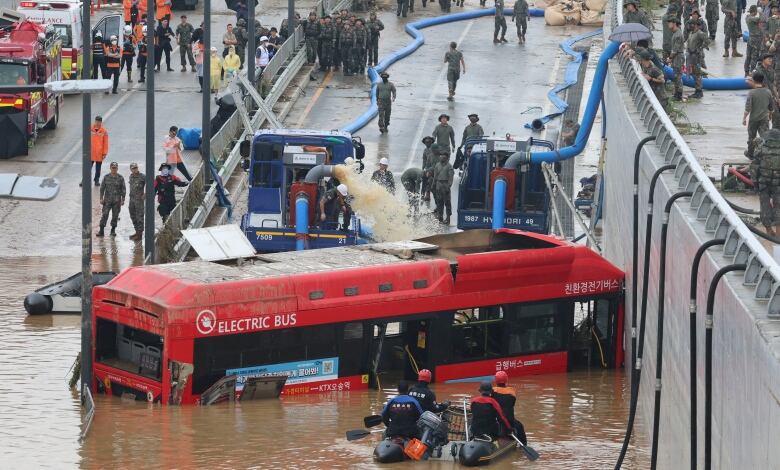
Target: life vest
112 62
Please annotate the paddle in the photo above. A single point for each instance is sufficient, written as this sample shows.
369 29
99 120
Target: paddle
529 451
356 434
371 421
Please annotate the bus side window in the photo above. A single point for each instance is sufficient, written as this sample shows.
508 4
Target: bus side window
535 328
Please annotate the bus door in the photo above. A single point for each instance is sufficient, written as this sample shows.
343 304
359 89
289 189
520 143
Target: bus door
597 335
399 350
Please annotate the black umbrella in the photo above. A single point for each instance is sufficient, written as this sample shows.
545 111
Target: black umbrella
630 32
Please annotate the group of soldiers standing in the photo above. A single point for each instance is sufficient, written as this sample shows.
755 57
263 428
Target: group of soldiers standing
342 40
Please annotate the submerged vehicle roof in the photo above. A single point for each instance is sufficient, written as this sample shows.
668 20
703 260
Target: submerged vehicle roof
302 133
482 262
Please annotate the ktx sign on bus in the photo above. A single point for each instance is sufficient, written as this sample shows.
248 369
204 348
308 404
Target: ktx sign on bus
207 323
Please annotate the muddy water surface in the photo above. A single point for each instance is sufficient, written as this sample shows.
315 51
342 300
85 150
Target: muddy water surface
574 420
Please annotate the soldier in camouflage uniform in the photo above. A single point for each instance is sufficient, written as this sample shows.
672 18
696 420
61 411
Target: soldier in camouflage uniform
385 95
754 39
311 31
242 36
112 197
634 15
713 15
345 45
688 7
697 42
137 184
768 156
500 22
454 59
520 15
654 76
328 43
359 49
767 67
428 160
374 25
697 19
443 176
338 57
403 7
666 45
758 106
731 30
677 56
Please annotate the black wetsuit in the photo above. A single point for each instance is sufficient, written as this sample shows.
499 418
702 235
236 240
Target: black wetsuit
426 397
506 398
487 417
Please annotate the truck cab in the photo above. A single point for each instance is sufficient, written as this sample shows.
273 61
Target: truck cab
527 204
29 54
278 162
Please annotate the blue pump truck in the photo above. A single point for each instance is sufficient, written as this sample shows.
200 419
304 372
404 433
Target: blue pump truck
527 198
281 163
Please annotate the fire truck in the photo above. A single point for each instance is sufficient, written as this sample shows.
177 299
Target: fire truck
30 53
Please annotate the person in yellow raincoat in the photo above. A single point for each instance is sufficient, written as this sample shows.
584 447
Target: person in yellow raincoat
232 64
216 70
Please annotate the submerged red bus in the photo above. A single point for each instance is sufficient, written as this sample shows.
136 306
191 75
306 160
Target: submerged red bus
462 305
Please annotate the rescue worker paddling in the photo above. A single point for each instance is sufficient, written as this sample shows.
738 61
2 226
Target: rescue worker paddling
401 413
487 417
506 397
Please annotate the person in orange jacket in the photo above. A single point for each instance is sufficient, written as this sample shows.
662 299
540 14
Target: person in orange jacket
163 9
506 397
99 147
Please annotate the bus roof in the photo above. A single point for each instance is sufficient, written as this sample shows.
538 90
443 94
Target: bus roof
446 271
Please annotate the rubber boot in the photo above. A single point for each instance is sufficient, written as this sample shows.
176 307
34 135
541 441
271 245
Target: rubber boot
136 236
495 39
726 53
503 39
678 96
447 220
129 76
113 231
697 94
100 233
734 53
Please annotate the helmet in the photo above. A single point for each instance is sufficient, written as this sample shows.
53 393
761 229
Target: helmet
424 376
128 30
501 377
342 189
113 37
384 161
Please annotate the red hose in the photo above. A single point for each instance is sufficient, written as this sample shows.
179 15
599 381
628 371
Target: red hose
741 177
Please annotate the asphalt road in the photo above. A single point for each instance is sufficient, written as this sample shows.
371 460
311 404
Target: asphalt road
53 228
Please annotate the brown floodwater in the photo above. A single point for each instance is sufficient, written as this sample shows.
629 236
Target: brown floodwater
574 420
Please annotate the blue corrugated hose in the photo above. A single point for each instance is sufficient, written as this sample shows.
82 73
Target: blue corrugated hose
569 78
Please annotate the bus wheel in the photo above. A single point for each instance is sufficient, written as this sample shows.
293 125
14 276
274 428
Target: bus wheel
52 124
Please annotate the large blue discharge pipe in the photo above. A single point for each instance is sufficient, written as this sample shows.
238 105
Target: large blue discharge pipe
301 221
413 30
499 201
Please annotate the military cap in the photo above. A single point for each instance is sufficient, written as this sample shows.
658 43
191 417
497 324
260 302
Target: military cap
644 54
114 165
443 116
629 2
427 139
672 19
384 75
164 165
765 56
474 115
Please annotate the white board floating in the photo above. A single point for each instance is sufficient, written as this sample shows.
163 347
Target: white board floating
219 243
34 188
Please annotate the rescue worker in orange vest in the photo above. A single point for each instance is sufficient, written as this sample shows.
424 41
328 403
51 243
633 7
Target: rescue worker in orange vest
172 147
128 52
163 9
506 398
139 29
113 58
99 147
143 50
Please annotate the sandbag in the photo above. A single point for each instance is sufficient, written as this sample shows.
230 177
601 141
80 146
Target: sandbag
591 18
543 4
563 14
596 5
190 138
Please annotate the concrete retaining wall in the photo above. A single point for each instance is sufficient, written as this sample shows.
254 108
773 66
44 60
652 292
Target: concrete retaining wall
746 365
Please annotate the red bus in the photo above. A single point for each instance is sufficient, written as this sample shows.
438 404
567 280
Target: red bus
463 305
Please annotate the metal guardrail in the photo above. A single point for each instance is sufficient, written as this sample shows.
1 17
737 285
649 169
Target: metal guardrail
707 203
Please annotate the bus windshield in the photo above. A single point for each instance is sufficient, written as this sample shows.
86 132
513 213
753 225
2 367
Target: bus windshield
14 74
